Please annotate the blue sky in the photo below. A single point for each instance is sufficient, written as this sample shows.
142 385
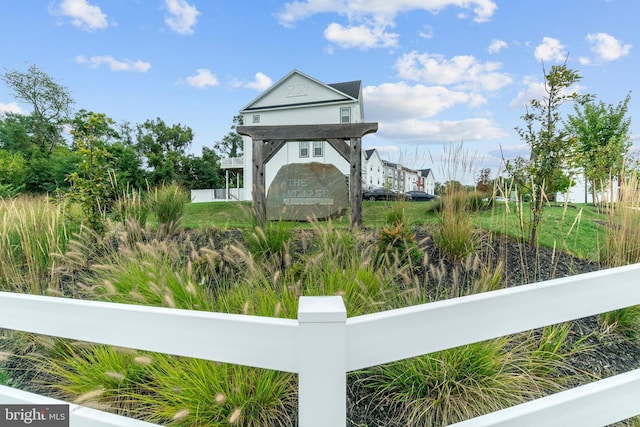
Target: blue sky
434 72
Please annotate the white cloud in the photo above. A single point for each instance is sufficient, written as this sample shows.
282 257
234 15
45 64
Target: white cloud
464 71
403 112
607 47
497 45
369 20
379 10
12 107
261 82
550 50
386 149
114 64
440 131
360 36
182 16
584 60
83 15
535 89
394 101
202 79
427 32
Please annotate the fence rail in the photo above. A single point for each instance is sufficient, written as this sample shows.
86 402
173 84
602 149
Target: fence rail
322 345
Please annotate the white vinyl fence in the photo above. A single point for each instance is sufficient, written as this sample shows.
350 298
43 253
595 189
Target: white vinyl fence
322 345
217 195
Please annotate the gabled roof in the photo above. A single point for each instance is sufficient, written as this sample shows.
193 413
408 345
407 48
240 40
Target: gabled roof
368 153
349 88
324 94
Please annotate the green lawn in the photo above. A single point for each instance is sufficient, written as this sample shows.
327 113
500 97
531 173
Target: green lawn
577 229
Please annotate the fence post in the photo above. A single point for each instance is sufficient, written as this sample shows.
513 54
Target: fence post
322 374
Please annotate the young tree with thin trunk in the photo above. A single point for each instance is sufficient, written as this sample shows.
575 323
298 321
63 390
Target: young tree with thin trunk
544 173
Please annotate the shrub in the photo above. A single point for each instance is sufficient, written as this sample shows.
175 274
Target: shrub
396 240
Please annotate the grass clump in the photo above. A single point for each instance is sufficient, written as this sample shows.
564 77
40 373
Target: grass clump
460 383
271 241
622 247
396 240
131 204
32 229
454 233
171 390
168 204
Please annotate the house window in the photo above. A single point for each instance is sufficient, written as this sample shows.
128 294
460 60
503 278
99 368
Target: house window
304 148
345 115
256 118
318 148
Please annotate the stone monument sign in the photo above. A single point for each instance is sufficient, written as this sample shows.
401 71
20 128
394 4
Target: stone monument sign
301 191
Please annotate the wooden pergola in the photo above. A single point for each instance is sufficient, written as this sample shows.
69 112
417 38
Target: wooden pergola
267 140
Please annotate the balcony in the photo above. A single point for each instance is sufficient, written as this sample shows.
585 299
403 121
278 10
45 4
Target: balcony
232 163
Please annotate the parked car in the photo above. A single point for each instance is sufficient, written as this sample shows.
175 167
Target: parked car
420 196
383 194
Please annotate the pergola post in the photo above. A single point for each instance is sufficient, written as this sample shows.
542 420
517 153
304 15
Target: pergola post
355 182
258 194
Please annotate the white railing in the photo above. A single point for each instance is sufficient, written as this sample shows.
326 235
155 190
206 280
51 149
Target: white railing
232 162
322 345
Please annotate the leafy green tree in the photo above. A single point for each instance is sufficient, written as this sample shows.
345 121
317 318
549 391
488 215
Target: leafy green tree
231 145
203 171
438 188
91 186
163 148
50 101
483 182
15 132
127 166
13 169
543 174
603 141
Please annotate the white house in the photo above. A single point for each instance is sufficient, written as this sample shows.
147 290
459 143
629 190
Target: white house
372 170
426 181
381 173
298 99
580 192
